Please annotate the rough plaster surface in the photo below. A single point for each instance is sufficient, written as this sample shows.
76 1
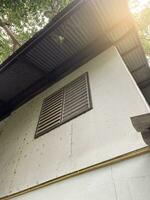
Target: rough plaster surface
98 135
127 180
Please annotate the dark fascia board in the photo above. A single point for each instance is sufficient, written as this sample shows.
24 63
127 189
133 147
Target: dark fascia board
40 34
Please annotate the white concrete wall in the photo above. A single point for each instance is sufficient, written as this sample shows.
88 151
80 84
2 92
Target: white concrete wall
127 180
98 135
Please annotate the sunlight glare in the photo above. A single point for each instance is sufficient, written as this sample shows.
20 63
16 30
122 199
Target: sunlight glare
138 5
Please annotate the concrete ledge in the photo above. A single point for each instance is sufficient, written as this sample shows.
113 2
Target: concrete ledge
142 124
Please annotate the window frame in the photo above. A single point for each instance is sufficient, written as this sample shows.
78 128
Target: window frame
90 106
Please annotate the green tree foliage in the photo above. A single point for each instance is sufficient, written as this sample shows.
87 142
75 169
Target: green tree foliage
143 20
142 17
21 19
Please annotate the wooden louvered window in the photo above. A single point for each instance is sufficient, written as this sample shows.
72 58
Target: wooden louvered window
67 103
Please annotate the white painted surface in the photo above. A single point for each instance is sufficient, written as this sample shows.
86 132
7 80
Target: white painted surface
98 135
127 180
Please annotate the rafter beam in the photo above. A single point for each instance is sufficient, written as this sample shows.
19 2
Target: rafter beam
131 30
130 50
30 63
124 20
144 83
138 68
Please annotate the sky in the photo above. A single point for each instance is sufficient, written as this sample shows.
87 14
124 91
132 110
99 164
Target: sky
138 5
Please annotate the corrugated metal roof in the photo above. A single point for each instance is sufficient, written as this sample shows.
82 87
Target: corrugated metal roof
83 30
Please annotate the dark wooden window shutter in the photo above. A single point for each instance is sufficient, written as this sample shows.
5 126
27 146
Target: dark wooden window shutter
67 103
76 98
51 113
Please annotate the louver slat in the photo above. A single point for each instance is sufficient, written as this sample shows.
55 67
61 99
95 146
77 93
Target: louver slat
51 113
64 105
76 98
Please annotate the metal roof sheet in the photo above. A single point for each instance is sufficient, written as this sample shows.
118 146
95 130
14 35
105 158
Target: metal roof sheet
81 31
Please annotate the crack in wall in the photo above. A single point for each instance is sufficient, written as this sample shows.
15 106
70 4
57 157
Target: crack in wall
71 143
113 181
129 190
